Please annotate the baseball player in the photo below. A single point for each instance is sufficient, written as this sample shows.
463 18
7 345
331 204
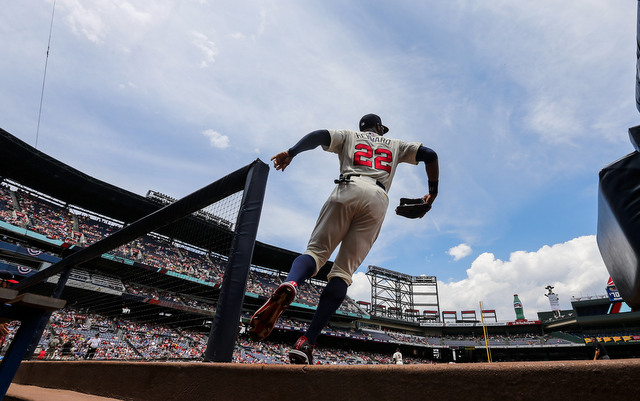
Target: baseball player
397 357
351 217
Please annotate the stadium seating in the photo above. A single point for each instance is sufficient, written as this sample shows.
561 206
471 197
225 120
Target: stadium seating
123 338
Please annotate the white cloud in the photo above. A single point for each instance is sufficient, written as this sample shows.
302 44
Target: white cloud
86 22
574 268
549 117
237 35
207 47
216 139
99 19
263 21
460 251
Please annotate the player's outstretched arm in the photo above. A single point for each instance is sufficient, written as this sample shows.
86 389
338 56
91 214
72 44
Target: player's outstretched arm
308 142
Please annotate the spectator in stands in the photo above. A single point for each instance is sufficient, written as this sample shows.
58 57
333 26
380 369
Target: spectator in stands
6 278
93 343
53 344
66 349
39 352
397 357
600 351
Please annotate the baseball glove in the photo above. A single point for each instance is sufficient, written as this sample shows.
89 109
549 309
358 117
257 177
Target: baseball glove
412 208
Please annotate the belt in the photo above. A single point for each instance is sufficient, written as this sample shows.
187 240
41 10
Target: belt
347 178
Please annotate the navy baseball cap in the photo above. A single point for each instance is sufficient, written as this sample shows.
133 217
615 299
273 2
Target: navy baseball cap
370 121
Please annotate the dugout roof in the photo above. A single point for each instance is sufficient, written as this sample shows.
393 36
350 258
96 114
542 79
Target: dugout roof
34 169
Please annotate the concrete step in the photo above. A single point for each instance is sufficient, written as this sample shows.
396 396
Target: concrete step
20 392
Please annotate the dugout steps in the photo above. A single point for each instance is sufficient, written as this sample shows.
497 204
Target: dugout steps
20 392
140 381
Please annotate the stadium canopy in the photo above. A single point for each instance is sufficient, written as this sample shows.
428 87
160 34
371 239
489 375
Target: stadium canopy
34 169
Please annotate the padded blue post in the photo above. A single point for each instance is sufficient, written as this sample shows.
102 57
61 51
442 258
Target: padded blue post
224 330
30 319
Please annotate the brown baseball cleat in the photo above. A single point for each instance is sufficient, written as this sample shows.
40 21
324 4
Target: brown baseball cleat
265 318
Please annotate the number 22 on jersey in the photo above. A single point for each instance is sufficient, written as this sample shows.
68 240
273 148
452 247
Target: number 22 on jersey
380 159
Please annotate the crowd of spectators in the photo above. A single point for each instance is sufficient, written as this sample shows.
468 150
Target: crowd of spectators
70 330
166 296
27 210
261 283
275 353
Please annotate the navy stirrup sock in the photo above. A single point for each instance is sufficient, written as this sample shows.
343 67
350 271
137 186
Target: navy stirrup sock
303 267
330 299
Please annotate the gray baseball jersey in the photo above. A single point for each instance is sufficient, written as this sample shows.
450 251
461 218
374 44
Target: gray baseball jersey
372 155
355 210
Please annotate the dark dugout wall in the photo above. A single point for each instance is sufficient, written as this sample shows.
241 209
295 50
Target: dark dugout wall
618 232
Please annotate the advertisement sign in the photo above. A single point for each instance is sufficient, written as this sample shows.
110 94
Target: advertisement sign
553 300
613 294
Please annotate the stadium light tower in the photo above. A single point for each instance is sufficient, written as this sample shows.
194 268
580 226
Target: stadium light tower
394 294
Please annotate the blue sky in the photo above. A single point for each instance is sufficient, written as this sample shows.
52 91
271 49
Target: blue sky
523 101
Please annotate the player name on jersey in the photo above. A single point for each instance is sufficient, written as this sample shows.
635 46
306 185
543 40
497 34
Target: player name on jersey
373 138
